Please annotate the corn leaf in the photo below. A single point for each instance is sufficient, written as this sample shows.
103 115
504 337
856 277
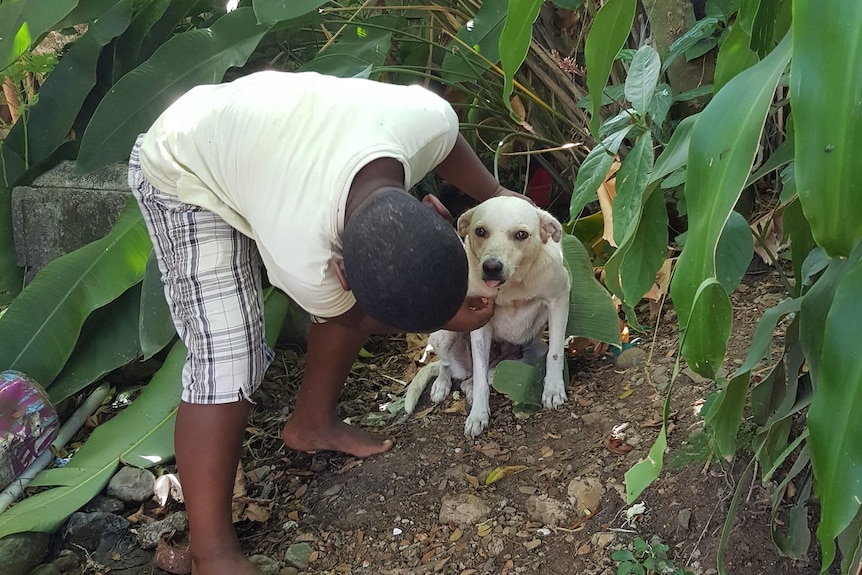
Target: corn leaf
722 149
826 97
515 41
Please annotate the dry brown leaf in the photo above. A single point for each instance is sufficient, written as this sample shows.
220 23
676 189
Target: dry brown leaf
606 193
456 407
546 452
518 108
456 535
472 480
300 491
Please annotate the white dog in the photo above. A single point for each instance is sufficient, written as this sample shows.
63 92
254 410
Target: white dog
515 257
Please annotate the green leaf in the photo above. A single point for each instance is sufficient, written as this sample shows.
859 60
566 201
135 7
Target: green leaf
632 178
644 253
761 341
833 418
675 153
482 35
66 87
725 415
515 41
186 60
359 51
801 243
723 145
594 171
521 382
704 28
41 326
825 84
568 4
643 473
11 276
710 322
24 22
128 48
278 10
109 340
734 56
607 35
659 106
642 78
592 313
734 252
155 326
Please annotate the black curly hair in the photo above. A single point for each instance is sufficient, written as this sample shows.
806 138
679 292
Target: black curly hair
405 264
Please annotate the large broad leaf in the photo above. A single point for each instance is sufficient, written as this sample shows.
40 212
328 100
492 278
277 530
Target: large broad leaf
722 150
185 61
734 252
155 326
24 22
11 276
142 435
109 340
675 154
637 261
594 170
826 97
833 418
734 56
41 327
632 178
515 41
725 415
480 35
592 313
128 49
66 87
358 51
278 10
607 35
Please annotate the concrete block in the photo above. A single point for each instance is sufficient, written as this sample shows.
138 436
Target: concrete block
63 211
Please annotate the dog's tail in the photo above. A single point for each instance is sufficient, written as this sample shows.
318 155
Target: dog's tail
418 384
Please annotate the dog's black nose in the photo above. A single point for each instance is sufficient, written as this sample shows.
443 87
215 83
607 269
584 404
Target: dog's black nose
492 268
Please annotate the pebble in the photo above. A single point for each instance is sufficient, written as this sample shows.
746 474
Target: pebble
547 510
148 535
67 560
20 552
630 357
298 555
266 564
683 518
463 509
602 539
131 485
334 490
586 494
594 419
105 504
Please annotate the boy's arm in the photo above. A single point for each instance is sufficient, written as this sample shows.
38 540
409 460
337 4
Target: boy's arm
463 169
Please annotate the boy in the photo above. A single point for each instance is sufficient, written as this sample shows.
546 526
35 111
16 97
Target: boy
310 174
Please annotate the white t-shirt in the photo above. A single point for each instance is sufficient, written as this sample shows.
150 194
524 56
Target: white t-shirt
274 154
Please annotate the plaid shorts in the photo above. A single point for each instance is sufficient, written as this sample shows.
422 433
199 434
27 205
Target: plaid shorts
212 279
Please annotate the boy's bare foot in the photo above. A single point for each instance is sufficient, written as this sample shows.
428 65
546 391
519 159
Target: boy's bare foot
335 436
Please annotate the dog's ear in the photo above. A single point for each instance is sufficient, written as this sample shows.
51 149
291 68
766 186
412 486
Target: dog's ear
464 222
551 227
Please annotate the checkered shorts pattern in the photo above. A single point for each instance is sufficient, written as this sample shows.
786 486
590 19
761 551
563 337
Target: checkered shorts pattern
212 279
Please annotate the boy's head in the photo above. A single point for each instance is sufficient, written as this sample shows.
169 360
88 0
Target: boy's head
405 264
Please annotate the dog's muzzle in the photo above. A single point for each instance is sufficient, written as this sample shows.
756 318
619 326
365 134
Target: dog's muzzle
492 272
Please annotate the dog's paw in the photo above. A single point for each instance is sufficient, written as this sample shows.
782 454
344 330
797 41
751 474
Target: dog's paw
467 388
476 423
440 389
553 395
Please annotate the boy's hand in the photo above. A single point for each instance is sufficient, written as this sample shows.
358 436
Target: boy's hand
473 314
501 191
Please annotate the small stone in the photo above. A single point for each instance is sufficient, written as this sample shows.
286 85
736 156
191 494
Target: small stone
67 560
683 518
334 490
602 539
46 569
595 419
131 485
547 510
631 357
266 564
463 509
148 535
298 555
496 546
289 571
104 504
21 551
586 494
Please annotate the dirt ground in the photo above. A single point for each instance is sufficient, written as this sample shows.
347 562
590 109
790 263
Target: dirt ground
425 507
383 515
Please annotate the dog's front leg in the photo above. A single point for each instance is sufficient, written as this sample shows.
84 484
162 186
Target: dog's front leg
554 391
480 344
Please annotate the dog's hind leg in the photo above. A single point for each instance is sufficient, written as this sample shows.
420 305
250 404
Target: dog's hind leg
453 352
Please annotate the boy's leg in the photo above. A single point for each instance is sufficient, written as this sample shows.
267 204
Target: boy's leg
212 283
314 423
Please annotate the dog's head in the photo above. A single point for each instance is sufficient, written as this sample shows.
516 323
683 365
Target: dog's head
504 235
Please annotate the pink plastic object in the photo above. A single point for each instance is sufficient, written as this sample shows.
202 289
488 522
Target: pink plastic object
28 424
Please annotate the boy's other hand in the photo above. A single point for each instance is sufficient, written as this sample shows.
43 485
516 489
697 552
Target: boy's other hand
501 191
473 314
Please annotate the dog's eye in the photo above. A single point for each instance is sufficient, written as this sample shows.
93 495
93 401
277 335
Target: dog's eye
521 235
480 232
